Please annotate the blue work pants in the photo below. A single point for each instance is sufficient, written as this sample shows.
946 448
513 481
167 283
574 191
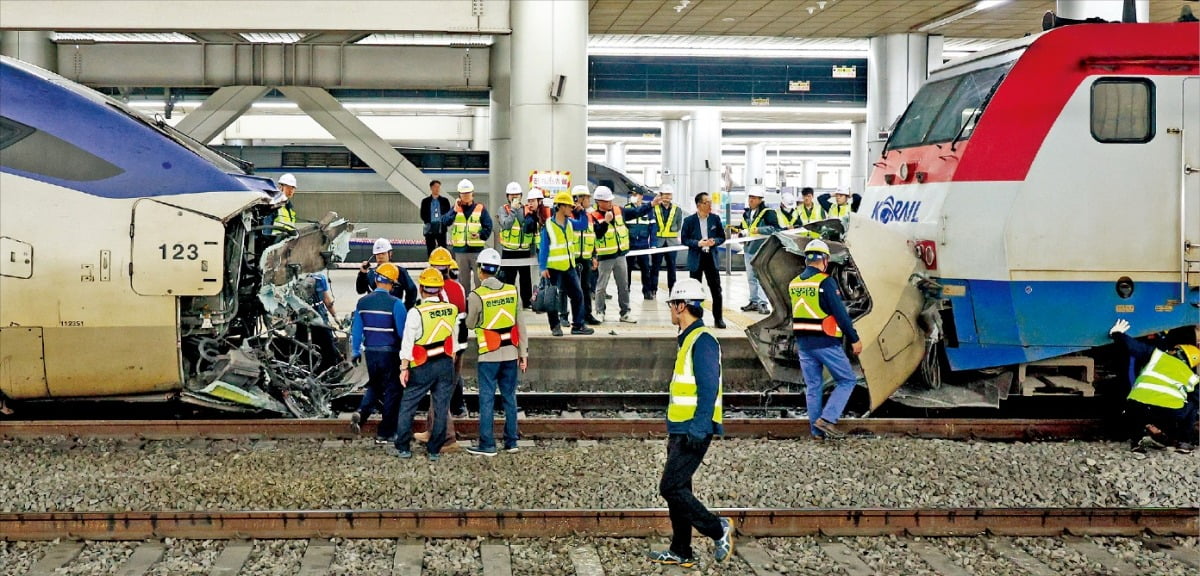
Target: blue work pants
812 361
567 282
436 376
642 264
491 376
383 385
658 261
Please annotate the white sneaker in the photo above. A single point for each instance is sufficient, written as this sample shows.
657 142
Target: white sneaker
628 319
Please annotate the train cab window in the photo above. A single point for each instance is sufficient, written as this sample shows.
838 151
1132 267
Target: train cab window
947 109
1123 110
27 149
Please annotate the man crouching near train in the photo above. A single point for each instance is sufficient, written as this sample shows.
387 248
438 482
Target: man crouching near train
1161 408
693 417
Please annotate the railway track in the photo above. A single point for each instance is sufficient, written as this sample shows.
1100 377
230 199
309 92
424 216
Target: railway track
561 428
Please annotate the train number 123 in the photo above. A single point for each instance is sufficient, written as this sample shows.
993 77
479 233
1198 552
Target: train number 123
179 251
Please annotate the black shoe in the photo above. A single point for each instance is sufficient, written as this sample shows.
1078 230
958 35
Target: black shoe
750 307
556 331
592 321
647 296
582 331
719 324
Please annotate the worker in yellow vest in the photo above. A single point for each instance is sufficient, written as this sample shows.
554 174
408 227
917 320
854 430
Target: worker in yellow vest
516 239
841 207
786 214
1161 408
283 221
612 243
427 362
694 415
809 210
819 320
586 265
470 227
494 311
557 251
668 220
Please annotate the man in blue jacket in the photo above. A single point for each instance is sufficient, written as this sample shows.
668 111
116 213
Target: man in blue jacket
693 417
1161 408
376 332
702 232
819 320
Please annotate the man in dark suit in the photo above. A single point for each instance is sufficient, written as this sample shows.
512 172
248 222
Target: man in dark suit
433 208
702 232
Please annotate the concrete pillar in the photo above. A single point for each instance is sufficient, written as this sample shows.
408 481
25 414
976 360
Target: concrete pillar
549 44
756 164
896 67
614 155
33 47
1110 10
481 129
858 157
499 114
810 174
674 147
705 128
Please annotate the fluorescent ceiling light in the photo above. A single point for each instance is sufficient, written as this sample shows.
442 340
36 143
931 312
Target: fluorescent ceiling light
276 105
271 37
956 16
467 40
739 46
143 37
818 110
366 105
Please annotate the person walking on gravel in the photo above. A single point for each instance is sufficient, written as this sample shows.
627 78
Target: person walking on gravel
693 417
819 319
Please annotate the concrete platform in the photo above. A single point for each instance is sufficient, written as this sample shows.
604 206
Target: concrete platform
619 356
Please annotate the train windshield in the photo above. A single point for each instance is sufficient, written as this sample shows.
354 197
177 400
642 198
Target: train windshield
948 109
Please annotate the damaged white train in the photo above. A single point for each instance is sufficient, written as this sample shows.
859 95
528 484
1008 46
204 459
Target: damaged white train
134 263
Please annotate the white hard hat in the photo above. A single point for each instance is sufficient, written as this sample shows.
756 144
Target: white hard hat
814 246
788 199
465 186
756 191
842 192
580 190
381 246
688 289
512 188
489 257
535 194
603 194
288 179
666 189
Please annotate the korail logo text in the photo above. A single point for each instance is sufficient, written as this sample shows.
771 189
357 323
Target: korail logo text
892 210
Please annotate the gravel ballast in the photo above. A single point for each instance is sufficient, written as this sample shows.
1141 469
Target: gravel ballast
104 475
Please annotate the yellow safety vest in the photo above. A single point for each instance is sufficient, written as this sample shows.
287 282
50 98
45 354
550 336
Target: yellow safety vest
1165 381
498 320
562 247
664 228
285 219
683 401
437 331
786 221
838 211
807 315
616 239
466 229
757 219
515 238
807 216
584 242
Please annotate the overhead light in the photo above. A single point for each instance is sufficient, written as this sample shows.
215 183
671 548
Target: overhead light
816 110
959 15
821 4
728 19
438 106
811 10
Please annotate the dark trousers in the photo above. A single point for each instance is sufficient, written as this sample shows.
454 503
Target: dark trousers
383 385
708 269
433 241
435 376
676 487
504 376
587 285
642 263
1178 424
567 282
513 274
657 262
322 338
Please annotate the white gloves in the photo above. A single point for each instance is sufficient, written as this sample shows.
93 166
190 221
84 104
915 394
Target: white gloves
1122 326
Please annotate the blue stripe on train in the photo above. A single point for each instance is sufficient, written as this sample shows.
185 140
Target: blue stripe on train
1003 323
151 163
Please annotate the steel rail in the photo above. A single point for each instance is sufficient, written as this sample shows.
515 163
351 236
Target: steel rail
562 428
625 523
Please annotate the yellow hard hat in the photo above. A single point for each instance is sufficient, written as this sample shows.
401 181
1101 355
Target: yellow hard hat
1191 354
564 197
388 271
431 278
440 257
